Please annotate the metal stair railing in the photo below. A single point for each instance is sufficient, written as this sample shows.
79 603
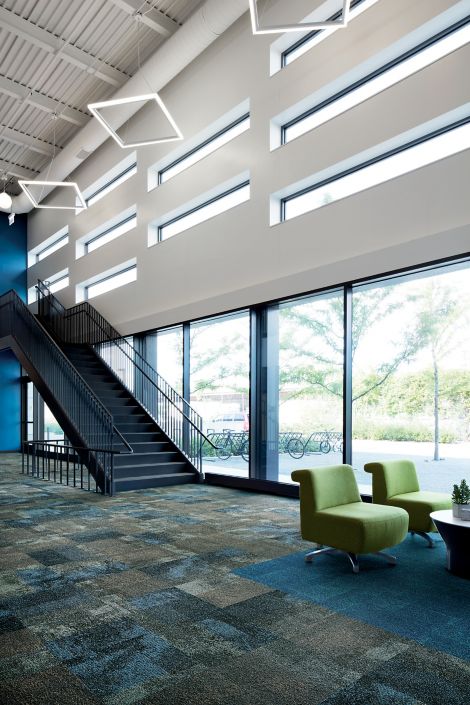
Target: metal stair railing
83 324
89 418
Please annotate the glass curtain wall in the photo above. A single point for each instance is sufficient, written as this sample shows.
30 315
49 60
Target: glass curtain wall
30 407
167 356
52 430
219 389
311 361
411 374
408 349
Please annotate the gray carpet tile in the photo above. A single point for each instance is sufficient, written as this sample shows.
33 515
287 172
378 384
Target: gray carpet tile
134 600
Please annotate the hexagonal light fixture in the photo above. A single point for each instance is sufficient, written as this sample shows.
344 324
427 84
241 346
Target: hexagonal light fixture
95 109
339 23
25 185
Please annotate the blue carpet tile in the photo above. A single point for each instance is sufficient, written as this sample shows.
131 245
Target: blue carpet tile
418 598
199 595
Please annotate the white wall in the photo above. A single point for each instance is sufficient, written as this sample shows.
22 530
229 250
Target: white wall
237 259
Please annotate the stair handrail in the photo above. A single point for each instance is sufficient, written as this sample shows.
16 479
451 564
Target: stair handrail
68 324
78 403
43 290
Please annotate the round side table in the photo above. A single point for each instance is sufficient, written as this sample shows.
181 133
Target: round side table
456 535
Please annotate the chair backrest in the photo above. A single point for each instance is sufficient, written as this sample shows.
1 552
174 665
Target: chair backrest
392 477
322 488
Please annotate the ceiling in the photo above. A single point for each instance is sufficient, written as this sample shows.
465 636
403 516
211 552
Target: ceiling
56 56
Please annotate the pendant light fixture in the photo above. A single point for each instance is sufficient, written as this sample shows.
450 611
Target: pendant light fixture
78 203
259 28
151 97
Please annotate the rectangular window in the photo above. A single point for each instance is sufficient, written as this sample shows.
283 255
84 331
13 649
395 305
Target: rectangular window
411 374
310 360
413 155
123 223
110 282
111 180
56 282
219 390
391 73
46 248
219 204
310 40
165 354
221 137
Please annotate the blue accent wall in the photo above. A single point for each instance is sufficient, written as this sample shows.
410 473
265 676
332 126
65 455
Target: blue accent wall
13 262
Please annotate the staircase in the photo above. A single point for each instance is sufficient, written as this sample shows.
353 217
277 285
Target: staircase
157 431
155 460
126 428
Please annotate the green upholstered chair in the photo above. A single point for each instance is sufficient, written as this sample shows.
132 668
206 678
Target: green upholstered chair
332 514
395 484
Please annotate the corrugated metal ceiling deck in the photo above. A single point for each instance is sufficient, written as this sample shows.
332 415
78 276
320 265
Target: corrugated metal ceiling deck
60 55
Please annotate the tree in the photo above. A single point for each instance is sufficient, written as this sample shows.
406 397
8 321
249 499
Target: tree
320 363
439 314
223 363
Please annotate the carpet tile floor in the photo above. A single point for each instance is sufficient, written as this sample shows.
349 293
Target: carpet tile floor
138 599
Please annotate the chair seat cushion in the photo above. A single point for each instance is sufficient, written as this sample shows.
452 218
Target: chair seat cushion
359 527
419 506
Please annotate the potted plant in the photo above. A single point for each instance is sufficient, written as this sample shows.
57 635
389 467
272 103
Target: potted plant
461 501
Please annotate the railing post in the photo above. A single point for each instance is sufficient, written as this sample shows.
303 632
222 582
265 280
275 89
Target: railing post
186 383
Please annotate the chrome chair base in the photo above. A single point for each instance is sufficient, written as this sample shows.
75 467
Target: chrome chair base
353 558
425 536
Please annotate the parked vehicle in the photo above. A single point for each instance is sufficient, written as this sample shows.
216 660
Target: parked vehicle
235 421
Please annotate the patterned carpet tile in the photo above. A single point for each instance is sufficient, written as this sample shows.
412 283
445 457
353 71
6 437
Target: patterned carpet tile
137 600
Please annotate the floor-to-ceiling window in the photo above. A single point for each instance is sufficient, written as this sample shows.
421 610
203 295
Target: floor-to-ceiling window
168 356
52 430
29 419
411 374
311 360
219 389
406 339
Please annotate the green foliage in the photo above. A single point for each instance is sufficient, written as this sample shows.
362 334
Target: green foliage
413 394
389 429
461 493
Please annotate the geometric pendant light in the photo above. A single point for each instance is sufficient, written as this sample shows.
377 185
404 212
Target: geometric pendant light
27 187
104 109
77 202
149 98
259 27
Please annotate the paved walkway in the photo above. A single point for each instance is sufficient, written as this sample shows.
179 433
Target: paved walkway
438 476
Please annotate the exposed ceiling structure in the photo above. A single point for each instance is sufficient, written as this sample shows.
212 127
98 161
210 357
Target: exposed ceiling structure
57 56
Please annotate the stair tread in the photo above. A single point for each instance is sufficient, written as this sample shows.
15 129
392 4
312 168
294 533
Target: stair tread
154 465
158 477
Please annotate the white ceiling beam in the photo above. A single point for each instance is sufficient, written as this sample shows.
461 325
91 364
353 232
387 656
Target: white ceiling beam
43 102
154 19
24 140
21 172
57 46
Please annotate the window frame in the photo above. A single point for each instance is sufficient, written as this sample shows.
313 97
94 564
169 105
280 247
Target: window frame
125 173
369 162
222 131
388 66
107 230
86 288
38 255
199 207
314 33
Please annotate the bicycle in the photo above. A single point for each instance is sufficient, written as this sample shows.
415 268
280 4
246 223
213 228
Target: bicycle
298 447
230 443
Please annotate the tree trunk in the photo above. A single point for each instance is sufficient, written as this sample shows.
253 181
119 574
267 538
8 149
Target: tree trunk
436 408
